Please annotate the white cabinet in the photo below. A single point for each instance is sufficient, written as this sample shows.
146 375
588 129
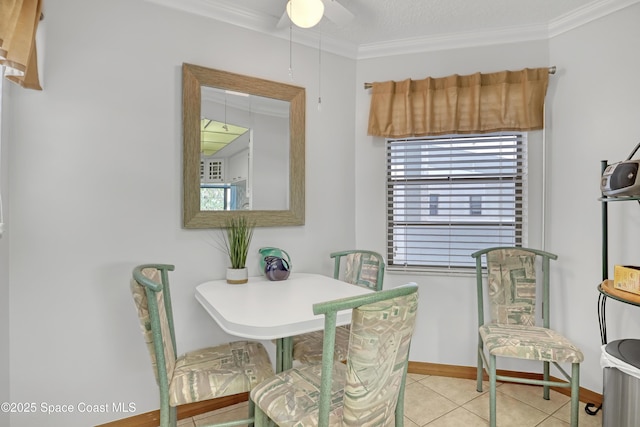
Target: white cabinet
238 167
232 169
211 170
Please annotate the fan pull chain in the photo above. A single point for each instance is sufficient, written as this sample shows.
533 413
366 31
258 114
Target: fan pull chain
291 51
320 73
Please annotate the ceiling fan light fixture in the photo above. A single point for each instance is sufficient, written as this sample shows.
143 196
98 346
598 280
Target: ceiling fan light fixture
305 13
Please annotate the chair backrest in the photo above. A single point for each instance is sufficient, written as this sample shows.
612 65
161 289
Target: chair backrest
512 285
362 268
152 297
382 326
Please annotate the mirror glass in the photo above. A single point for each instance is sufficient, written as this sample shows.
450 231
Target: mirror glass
243 148
230 123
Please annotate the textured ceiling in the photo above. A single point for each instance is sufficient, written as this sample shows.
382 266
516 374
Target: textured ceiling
380 22
385 20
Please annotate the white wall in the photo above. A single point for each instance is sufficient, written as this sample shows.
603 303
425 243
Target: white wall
585 123
95 189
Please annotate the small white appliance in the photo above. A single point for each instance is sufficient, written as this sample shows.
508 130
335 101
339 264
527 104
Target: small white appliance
621 178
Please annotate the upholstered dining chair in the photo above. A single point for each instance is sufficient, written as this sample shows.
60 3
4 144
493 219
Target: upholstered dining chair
369 389
361 267
510 330
203 374
357 267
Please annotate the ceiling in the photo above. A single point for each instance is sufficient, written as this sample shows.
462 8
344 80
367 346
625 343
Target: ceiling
383 27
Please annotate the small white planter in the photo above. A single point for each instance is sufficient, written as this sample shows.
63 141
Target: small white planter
237 276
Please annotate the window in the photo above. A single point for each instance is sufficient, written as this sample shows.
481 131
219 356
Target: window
475 204
224 197
433 204
449 196
215 197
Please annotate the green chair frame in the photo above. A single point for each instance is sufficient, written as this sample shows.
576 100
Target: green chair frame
330 310
168 413
337 256
573 379
314 339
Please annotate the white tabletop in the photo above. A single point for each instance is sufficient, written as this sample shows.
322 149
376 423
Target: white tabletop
262 309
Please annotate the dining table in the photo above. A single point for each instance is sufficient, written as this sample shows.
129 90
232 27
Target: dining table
262 309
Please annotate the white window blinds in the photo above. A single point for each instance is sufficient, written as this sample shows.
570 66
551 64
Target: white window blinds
449 196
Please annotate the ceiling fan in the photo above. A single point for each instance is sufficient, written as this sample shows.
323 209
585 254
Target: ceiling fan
333 11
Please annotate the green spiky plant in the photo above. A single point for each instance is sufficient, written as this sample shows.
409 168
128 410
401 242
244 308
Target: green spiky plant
236 237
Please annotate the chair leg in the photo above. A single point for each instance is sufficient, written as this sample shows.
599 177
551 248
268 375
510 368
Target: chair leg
399 421
261 419
545 376
400 403
480 367
575 393
492 390
168 415
252 410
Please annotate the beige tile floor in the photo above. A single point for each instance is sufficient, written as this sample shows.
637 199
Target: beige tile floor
435 401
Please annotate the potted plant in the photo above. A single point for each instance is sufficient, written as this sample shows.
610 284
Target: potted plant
236 237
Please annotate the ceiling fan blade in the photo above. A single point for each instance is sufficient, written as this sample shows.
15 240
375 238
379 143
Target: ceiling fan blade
284 20
337 13
333 11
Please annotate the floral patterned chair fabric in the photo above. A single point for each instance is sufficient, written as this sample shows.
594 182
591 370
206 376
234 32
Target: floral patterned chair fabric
366 391
511 330
198 375
362 268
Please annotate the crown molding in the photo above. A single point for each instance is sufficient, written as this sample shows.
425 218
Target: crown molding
452 41
262 23
586 14
220 12
267 24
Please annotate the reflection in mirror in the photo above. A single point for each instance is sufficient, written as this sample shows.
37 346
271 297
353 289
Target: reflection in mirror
243 137
243 149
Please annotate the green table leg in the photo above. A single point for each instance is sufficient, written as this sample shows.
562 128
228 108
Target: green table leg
284 354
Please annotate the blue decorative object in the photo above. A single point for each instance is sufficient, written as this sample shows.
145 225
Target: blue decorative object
276 268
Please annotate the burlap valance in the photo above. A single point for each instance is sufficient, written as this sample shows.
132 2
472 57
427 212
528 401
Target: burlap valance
476 103
18 24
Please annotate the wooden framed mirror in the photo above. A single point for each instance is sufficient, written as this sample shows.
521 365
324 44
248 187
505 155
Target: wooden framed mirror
267 119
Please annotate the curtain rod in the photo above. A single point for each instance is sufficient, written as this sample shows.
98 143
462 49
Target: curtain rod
552 70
